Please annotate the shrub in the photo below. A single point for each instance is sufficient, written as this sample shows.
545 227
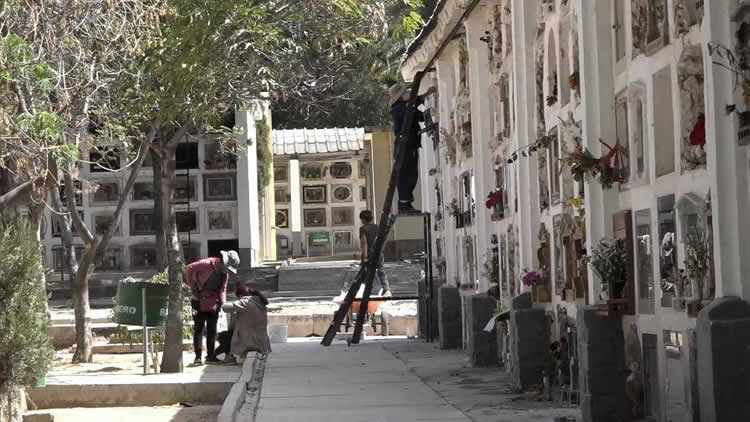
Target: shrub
25 349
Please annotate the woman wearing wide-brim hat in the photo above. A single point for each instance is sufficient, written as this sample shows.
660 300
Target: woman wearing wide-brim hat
208 279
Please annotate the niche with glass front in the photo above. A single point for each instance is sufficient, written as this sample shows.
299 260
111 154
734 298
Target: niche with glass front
643 261
105 193
668 272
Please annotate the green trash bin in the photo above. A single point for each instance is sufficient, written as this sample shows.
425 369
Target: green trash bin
128 304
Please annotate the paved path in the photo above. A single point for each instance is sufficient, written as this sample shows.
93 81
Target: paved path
483 394
390 381
365 383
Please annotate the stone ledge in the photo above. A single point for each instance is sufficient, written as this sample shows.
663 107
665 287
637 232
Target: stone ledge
245 393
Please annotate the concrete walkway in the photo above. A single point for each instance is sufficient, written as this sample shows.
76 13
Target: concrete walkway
389 381
365 383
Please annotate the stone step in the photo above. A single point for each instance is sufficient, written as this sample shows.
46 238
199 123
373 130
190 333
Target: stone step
331 278
103 390
117 349
140 414
95 292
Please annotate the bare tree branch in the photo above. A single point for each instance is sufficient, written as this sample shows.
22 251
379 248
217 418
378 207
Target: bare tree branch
16 195
143 151
70 200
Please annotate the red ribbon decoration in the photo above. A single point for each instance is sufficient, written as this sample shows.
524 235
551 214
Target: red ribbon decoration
493 199
612 154
698 134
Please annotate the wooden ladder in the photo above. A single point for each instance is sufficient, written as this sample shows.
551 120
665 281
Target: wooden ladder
366 273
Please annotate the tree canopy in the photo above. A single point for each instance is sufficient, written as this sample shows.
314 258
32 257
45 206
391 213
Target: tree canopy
359 95
130 76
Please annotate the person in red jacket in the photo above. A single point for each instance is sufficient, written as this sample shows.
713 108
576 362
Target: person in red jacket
208 279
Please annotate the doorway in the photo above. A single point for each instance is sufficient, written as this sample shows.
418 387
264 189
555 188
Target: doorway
675 388
651 377
216 246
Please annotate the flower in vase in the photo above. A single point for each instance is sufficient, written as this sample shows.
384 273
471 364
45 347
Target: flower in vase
530 278
576 202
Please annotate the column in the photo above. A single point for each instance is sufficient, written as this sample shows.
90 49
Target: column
597 96
446 83
476 25
524 86
721 329
295 207
248 213
726 164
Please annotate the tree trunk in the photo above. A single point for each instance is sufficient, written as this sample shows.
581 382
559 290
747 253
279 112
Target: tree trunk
81 308
37 214
94 247
79 283
158 220
172 356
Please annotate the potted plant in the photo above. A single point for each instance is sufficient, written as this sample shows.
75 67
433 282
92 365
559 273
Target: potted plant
607 259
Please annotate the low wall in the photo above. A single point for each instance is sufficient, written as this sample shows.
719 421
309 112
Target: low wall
127 394
317 324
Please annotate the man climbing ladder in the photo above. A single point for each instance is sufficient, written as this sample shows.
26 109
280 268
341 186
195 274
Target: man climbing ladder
366 275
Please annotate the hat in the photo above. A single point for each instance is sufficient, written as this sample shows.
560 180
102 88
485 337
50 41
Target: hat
231 260
397 91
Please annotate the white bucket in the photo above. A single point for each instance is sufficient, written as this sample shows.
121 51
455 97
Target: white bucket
411 332
277 333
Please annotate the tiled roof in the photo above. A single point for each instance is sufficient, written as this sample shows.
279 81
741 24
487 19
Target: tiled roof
313 141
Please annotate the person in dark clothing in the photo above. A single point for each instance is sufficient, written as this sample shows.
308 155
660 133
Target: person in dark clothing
409 174
208 279
367 233
225 340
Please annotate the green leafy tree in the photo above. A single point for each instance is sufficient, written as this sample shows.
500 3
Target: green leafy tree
25 350
359 95
211 57
62 66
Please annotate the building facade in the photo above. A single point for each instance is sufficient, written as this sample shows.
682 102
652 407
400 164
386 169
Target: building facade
323 179
321 184
563 123
216 202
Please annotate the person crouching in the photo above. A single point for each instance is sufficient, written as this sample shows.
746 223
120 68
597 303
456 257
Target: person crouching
250 316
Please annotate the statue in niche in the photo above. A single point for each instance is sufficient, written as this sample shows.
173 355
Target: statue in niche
639 25
463 68
502 248
543 261
511 261
557 264
497 43
540 89
575 76
657 25
692 107
743 45
553 85
634 383
684 18
543 185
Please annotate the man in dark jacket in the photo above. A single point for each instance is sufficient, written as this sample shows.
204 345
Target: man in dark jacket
409 174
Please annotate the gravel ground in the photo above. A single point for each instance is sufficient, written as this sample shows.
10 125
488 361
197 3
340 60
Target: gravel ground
122 364
291 307
140 414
